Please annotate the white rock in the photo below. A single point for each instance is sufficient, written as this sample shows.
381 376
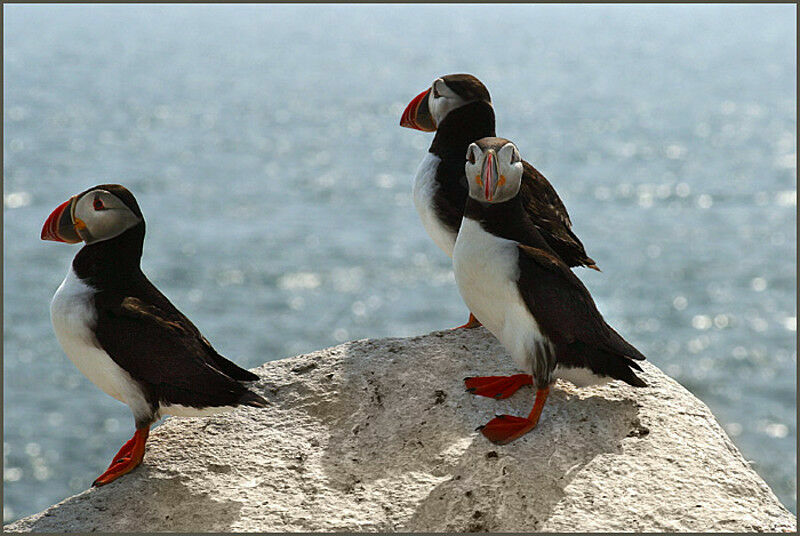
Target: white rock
379 435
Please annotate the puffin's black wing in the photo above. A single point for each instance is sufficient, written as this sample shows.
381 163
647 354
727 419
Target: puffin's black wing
568 316
166 353
550 216
163 308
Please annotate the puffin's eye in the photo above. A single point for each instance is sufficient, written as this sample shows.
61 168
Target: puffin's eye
98 204
471 156
515 156
436 94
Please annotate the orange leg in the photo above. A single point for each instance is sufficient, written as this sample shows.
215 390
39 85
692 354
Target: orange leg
506 428
471 323
127 459
498 387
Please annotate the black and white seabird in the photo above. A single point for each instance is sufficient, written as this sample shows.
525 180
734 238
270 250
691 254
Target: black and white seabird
125 335
518 287
459 108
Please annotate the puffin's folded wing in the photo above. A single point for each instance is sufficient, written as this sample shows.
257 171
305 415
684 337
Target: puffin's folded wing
542 195
157 305
548 213
563 306
165 352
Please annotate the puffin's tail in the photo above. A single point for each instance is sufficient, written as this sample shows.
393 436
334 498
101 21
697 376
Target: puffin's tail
621 368
620 362
614 359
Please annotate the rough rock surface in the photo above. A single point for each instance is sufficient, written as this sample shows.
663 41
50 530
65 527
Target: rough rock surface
379 435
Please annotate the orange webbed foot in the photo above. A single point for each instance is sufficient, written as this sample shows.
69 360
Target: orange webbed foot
498 387
127 459
506 428
471 323
124 452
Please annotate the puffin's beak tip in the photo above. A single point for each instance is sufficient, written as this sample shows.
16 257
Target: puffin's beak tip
58 227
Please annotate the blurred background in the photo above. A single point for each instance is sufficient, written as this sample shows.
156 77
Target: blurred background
263 145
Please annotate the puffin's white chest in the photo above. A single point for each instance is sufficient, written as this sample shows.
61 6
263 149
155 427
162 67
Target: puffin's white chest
486 269
425 187
73 315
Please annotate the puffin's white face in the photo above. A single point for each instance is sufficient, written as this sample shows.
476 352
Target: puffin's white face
442 100
493 170
92 216
103 214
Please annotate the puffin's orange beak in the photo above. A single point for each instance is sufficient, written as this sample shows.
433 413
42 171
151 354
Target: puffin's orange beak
490 176
59 226
417 115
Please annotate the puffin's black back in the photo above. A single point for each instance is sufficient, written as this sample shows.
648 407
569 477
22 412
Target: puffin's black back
461 127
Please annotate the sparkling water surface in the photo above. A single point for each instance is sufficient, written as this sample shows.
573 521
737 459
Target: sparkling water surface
263 146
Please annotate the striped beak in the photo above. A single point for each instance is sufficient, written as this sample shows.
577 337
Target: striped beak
490 174
59 226
417 115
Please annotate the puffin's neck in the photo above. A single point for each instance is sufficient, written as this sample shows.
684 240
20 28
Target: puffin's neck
114 263
461 127
507 220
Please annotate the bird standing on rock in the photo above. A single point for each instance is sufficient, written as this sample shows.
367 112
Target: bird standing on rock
525 294
459 108
125 335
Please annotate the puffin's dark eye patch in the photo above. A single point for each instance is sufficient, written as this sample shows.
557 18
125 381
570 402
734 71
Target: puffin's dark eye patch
98 204
435 92
471 156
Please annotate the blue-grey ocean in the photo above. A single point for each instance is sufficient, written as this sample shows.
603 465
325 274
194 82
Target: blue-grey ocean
263 146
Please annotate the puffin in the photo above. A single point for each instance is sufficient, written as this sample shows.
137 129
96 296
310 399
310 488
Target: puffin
459 109
123 334
525 294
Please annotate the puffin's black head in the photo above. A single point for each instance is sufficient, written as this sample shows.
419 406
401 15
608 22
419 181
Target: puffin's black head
493 169
429 108
99 213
